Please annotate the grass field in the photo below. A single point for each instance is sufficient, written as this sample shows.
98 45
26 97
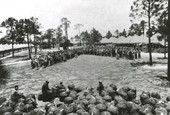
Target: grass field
86 70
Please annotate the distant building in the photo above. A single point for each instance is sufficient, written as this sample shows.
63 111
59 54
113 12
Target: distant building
141 41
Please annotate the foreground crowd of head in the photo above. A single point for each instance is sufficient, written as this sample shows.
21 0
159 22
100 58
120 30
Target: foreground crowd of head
100 100
61 56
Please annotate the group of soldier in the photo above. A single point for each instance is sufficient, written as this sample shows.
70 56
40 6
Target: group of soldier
44 60
61 56
114 51
48 94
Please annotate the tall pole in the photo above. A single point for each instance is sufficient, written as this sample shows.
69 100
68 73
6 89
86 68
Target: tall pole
168 40
41 43
79 35
66 31
149 31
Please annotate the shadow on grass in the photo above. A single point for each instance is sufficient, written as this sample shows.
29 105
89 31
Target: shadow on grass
4 74
136 64
18 56
162 58
165 81
162 77
25 59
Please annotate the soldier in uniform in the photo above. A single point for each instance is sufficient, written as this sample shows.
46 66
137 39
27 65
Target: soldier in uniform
46 92
36 62
16 95
139 53
100 88
32 63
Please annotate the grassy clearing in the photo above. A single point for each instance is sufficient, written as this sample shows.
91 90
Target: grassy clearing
87 70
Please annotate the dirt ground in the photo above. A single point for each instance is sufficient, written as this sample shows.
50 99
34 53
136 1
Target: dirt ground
86 71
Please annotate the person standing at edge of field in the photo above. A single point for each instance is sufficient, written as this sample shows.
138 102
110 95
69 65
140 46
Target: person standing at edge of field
45 87
100 88
46 92
139 53
36 62
16 88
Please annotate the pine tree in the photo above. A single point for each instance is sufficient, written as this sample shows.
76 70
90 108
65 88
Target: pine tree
108 35
146 9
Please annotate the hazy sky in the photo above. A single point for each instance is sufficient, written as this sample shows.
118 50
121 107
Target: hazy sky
104 15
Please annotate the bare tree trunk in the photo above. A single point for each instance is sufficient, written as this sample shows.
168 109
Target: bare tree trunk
149 48
41 41
29 50
53 45
165 48
168 40
12 42
66 47
50 42
12 47
35 45
143 31
66 32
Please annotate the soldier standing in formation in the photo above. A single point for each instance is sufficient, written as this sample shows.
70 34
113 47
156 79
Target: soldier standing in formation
61 56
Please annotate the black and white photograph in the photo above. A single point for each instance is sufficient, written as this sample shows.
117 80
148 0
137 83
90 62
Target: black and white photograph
84 57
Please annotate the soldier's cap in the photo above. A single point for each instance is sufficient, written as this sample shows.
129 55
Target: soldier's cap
100 82
16 87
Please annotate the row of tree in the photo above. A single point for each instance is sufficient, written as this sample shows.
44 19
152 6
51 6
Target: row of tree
90 38
148 17
56 36
18 30
28 31
155 12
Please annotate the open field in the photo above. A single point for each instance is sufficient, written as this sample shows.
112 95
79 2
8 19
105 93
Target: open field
86 70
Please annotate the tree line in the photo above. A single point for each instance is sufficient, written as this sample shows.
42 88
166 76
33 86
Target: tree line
90 38
18 30
148 17
22 30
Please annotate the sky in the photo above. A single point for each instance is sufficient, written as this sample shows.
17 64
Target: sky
103 15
